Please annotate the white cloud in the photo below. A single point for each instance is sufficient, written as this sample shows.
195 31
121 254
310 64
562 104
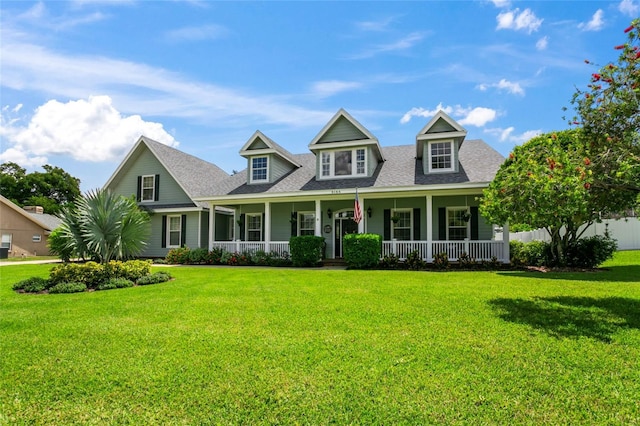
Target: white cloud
516 20
478 116
86 130
595 24
324 89
375 26
139 88
401 45
503 85
204 32
507 135
629 7
542 43
501 3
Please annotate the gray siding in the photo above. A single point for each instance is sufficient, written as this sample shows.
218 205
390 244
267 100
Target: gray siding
342 130
278 167
485 229
154 243
147 164
441 126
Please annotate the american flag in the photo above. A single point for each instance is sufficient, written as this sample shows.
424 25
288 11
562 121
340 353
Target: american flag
357 209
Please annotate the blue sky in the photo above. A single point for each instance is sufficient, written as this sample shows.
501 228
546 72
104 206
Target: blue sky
82 80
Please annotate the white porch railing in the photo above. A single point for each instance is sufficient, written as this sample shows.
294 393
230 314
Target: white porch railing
478 250
279 247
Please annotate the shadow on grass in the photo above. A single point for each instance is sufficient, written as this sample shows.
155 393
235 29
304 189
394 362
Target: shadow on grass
623 273
572 317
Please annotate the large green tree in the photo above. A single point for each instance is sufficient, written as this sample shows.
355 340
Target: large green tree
101 226
546 183
608 111
50 189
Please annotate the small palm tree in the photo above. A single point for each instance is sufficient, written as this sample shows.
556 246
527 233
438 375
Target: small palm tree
105 226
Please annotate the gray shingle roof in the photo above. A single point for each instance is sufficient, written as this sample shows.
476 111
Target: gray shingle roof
190 172
478 163
51 221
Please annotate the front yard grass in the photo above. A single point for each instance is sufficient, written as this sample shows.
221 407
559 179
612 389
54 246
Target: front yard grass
268 346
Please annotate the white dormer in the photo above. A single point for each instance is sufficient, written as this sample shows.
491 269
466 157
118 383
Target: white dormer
345 149
438 143
268 161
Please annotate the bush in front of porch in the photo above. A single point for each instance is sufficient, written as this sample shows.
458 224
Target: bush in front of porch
306 250
362 251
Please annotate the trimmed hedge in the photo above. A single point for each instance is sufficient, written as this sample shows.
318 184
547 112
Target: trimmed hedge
306 250
73 287
362 251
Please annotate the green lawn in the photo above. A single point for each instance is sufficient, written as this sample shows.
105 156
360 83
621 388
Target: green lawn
268 346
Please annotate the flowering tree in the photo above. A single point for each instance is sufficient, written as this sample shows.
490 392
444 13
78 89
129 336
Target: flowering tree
609 113
546 183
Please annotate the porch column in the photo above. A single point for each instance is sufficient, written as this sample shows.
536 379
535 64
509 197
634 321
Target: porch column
429 228
505 243
364 213
318 231
267 226
212 225
199 228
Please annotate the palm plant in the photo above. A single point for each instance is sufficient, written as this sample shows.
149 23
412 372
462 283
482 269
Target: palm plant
104 227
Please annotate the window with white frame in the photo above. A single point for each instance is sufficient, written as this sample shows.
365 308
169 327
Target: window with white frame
174 231
147 192
343 163
402 224
441 156
306 223
6 241
457 223
254 227
36 238
259 169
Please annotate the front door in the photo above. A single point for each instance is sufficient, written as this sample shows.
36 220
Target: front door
344 224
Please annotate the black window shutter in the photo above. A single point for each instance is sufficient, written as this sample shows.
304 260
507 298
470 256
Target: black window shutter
294 224
242 220
387 224
139 189
164 231
156 192
263 225
474 223
183 230
442 223
416 224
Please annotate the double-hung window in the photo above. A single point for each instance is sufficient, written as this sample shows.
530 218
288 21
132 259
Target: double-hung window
344 163
457 224
6 241
441 156
147 191
174 231
306 224
254 227
402 222
259 169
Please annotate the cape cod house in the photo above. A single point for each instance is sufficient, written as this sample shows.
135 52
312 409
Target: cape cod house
165 182
420 196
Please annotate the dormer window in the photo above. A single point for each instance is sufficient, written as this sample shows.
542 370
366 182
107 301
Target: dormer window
259 169
344 163
441 156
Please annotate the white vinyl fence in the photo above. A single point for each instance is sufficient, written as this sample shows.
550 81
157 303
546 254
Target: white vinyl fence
626 231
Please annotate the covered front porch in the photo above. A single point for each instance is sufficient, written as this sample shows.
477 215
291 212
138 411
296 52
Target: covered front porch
431 224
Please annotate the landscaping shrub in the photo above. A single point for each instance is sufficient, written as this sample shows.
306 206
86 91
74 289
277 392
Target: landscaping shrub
155 278
213 257
414 261
591 251
390 261
198 256
131 270
441 261
467 262
32 285
72 287
115 283
533 253
362 251
306 250
180 255
279 260
89 273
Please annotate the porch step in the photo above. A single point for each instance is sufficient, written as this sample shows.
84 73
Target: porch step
334 262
